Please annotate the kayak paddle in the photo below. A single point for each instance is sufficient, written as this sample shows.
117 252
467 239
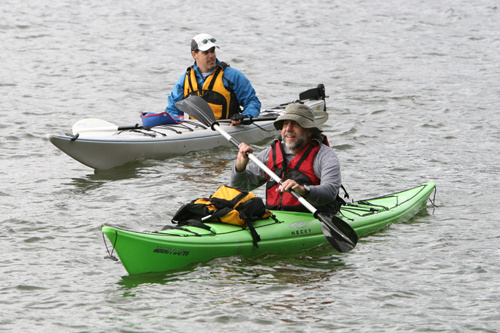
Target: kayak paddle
248 121
338 233
99 125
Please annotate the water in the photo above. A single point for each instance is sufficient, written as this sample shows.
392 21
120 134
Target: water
413 97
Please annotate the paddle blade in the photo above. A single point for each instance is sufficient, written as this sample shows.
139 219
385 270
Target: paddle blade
198 108
338 233
93 125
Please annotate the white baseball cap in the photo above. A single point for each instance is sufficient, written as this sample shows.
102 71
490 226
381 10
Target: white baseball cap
203 42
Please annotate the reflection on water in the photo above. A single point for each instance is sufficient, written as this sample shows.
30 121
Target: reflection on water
84 185
310 267
127 171
204 170
93 181
131 281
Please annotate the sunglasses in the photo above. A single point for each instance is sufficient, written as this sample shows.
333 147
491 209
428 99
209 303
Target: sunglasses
213 40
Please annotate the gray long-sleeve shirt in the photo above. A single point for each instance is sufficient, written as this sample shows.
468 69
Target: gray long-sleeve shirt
325 165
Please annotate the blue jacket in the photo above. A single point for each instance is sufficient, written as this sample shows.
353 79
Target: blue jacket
233 79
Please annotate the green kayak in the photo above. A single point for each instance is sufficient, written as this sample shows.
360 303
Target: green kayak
287 232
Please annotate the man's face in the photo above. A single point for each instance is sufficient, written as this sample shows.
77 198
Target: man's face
295 136
205 59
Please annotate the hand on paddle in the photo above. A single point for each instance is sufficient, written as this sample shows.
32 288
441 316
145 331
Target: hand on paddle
291 184
242 159
242 162
237 119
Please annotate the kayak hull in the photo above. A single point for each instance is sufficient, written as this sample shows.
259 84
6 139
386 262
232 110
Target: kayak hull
109 147
103 151
143 252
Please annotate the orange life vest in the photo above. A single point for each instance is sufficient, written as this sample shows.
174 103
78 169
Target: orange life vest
222 101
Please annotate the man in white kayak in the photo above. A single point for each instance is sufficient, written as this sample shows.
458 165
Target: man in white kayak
223 87
301 157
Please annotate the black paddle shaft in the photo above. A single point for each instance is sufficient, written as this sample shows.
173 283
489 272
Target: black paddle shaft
129 127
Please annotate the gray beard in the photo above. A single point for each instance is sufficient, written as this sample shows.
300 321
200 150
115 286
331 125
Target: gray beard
298 143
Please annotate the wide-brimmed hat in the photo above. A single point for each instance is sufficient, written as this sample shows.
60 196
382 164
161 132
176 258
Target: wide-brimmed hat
301 114
203 42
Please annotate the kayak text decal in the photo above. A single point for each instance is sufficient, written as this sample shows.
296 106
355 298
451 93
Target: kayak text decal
301 228
174 252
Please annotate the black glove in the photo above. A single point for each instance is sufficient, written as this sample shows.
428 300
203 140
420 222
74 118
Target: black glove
238 117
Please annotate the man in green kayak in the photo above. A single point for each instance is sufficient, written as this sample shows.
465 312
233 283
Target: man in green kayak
301 157
223 87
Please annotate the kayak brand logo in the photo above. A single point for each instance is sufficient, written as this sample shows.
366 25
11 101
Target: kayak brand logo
301 228
174 252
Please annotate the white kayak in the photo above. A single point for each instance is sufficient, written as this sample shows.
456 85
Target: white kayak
101 145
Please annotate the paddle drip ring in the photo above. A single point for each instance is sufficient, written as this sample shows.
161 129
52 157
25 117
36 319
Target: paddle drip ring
213 125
